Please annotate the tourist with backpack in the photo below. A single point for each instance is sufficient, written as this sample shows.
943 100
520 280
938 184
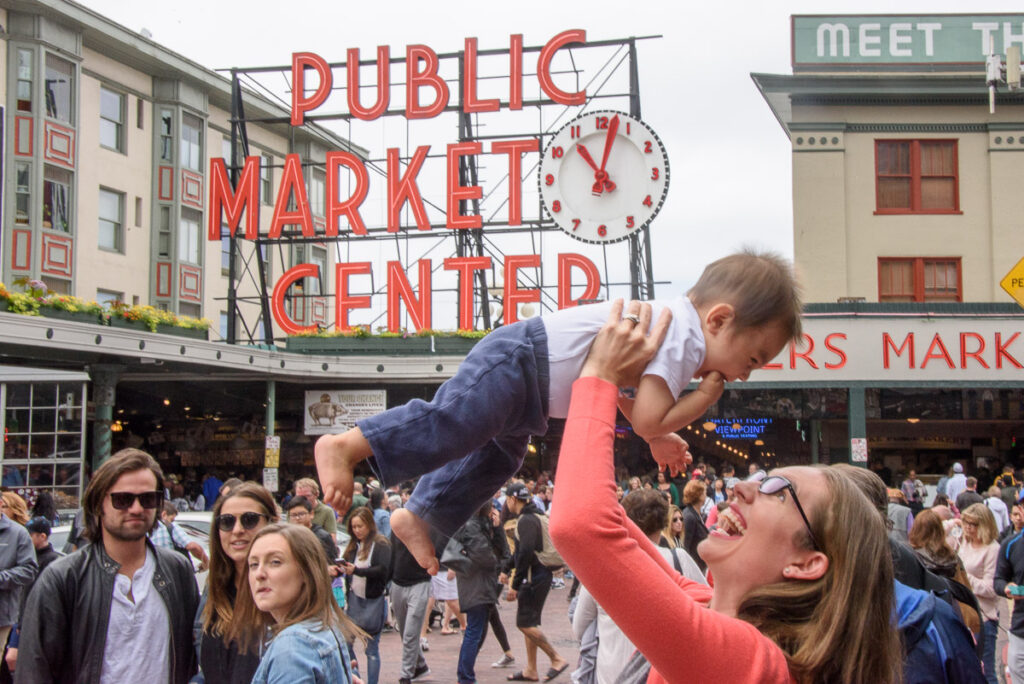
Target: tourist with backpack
531 581
165 534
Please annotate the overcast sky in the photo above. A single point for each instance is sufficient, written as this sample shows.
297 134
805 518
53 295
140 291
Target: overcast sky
730 159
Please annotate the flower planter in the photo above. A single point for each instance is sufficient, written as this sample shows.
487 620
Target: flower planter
381 346
191 333
119 322
77 316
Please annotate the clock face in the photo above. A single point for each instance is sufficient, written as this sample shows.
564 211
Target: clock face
603 176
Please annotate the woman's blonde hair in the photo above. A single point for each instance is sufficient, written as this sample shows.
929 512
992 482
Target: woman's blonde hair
372 535
980 515
673 541
837 628
17 509
222 580
314 602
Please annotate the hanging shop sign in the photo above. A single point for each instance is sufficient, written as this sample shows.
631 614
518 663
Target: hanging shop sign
334 411
603 178
880 347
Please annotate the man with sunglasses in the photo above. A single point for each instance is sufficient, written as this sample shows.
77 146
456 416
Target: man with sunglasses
119 609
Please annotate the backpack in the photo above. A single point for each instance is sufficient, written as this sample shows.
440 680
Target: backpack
548 555
937 646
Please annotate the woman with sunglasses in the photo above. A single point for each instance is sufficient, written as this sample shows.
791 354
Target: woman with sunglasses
802 578
229 649
672 537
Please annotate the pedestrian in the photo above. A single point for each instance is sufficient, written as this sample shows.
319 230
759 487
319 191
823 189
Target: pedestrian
46 508
381 514
211 489
291 598
228 649
1016 523
530 584
478 588
1008 583
694 531
802 576
473 435
18 568
899 514
166 534
92 614
956 484
39 529
367 560
979 552
914 492
672 536
300 512
322 513
410 592
994 501
969 496
15 508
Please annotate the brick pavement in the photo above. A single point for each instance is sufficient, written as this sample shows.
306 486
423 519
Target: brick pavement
443 655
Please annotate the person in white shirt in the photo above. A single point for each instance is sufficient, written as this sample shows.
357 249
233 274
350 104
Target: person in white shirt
957 483
995 503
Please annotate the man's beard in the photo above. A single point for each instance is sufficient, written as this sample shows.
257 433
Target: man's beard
123 533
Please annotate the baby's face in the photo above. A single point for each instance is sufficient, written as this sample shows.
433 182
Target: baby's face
736 353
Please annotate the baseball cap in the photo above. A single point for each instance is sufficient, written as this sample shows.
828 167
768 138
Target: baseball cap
518 491
957 468
39 525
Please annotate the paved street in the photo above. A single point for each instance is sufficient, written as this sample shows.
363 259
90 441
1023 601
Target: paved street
444 650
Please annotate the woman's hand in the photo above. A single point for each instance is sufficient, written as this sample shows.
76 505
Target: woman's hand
623 347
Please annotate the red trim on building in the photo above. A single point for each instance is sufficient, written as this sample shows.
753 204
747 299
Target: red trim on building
56 252
318 311
18 121
190 283
192 188
59 144
163 279
165 183
16 237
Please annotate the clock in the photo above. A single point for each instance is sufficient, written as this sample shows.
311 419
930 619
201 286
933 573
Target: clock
603 176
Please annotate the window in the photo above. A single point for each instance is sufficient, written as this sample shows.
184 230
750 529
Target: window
317 198
106 297
188 236
111 119
111 234
60 88
56 199
163 237
140 112
190 309
318 259
919 280
25 80
225 151
916 177
267 179
167 135
223 325
191 146
138 212
225 250
22 192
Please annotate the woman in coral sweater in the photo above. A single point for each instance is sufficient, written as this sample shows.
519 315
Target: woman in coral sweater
802 587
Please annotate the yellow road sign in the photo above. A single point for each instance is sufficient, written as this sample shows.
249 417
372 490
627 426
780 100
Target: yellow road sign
1013 282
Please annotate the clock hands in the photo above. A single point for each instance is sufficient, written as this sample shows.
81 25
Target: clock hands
601 180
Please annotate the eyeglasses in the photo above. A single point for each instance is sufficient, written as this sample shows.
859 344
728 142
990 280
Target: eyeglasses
122 501
774 485
677 520
226 521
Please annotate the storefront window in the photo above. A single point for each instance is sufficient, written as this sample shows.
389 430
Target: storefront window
43 447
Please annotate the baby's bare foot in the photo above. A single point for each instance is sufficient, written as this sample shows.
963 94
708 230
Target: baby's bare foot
336 457
415 534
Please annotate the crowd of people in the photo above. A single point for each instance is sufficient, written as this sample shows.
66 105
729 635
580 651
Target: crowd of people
801 574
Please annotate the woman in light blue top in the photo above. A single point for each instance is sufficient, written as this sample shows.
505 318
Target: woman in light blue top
291 595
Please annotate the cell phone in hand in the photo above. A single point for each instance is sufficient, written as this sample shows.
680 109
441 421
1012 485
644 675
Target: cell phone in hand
1017 589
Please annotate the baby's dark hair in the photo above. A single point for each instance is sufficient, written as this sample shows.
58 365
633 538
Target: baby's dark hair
760 286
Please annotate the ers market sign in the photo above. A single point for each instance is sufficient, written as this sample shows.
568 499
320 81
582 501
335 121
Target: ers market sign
903 39
426 95
902 348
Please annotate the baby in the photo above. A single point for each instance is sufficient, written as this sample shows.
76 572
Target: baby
473 435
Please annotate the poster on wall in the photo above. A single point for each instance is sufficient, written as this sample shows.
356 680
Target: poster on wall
329 412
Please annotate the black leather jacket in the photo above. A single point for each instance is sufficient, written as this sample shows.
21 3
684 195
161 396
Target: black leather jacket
64 628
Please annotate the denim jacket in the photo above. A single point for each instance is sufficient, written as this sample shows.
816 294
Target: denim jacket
305 653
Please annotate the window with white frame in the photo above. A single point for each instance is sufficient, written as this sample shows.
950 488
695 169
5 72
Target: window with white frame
188 237
106 297
191 142
25 70
317 197
111 226
111 119
57 199
60 88
267 179
167 135
22 192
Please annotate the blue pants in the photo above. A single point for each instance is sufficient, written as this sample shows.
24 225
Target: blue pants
372 657
472 436
472 640
988 652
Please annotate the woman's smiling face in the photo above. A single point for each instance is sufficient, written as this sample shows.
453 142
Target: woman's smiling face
236 542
